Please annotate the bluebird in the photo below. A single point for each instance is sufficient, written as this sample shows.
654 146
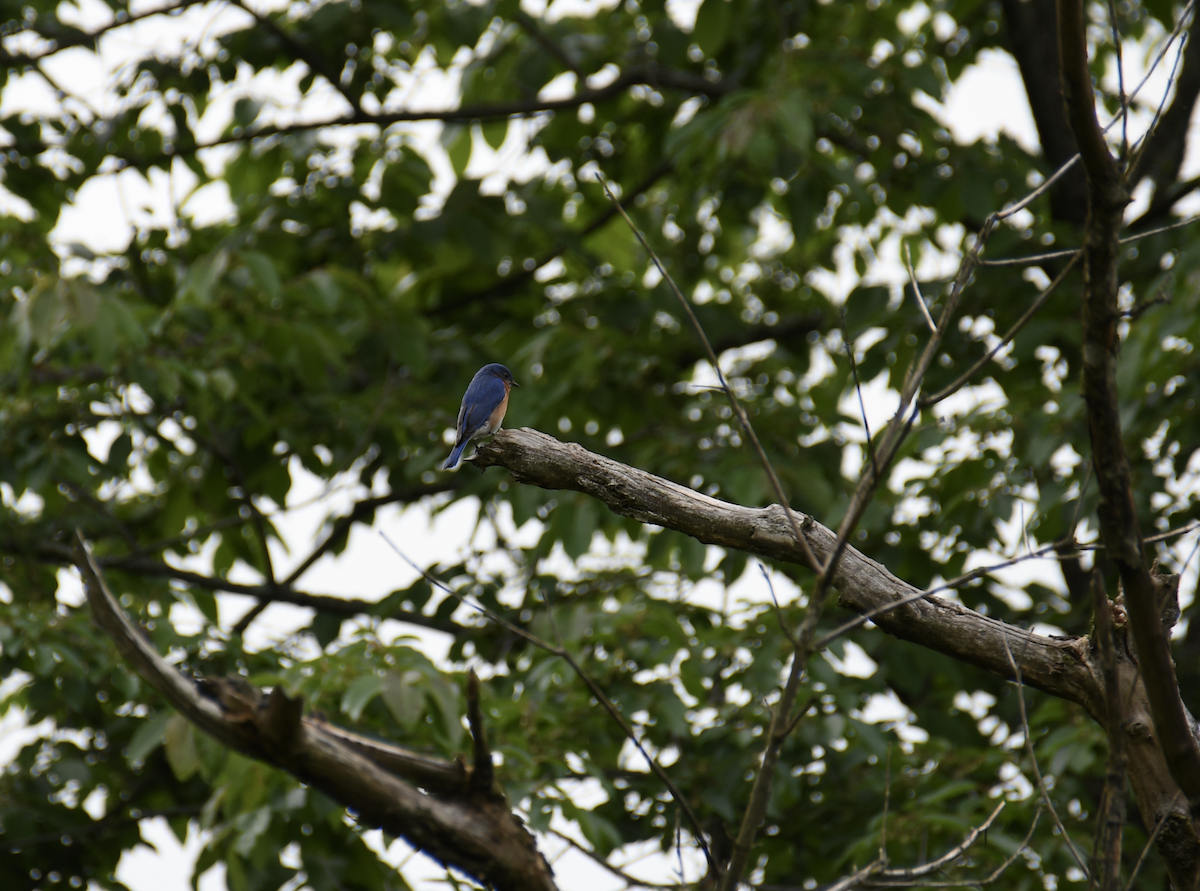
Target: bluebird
483 408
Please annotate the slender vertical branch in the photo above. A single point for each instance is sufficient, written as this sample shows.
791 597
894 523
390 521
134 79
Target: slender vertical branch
738 411
1119 525
1033 764
887 796
1111 818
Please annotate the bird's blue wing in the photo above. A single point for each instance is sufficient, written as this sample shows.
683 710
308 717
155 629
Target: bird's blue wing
481 398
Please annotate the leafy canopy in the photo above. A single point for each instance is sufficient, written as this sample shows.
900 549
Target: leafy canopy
164 396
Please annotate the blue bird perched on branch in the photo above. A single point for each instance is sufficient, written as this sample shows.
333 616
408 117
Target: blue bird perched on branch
483 408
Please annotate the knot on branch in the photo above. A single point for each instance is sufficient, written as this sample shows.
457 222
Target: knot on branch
275 715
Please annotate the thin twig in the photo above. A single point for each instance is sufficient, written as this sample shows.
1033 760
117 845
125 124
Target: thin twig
1162 821
1048 551
530 27
912 277
248 500
1112 18
1039 191
950 856
738 411
1179 26
887 795
310 58
862 406
1012 332
778 610
896 432
603 699
851 880
999 871
1062 255
1144 141
1041 783
629 880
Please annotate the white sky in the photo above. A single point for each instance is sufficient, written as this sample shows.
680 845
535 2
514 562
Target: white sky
987 99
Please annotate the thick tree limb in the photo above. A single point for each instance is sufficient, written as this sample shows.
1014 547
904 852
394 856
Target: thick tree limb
1068 669
475 833
1055 666
1119 525
1031 39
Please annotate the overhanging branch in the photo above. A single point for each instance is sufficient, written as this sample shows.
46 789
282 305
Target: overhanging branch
1055 666
472 832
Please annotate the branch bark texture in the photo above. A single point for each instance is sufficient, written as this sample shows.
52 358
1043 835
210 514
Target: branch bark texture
1070 669
464 827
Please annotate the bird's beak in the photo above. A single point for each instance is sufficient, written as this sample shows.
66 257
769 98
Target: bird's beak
515 384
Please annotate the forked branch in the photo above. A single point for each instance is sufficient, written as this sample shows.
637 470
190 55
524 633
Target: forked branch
473 832
1119 526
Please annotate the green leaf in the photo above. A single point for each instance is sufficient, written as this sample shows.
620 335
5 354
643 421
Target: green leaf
359 694
456 139
494 133
713 26
404 696
148 737
263 269
181 747
326 627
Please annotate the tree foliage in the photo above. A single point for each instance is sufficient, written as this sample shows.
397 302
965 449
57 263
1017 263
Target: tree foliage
782 157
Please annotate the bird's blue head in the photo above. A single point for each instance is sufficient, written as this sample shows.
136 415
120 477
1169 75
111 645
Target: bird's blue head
501 372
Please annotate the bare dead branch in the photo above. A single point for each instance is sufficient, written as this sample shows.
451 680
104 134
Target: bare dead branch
482 837
1056 666
912 277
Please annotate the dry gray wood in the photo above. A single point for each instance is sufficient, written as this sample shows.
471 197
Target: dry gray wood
1056 666
1069 669
473 831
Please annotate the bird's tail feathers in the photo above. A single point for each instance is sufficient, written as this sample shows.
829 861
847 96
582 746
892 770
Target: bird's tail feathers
455 456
